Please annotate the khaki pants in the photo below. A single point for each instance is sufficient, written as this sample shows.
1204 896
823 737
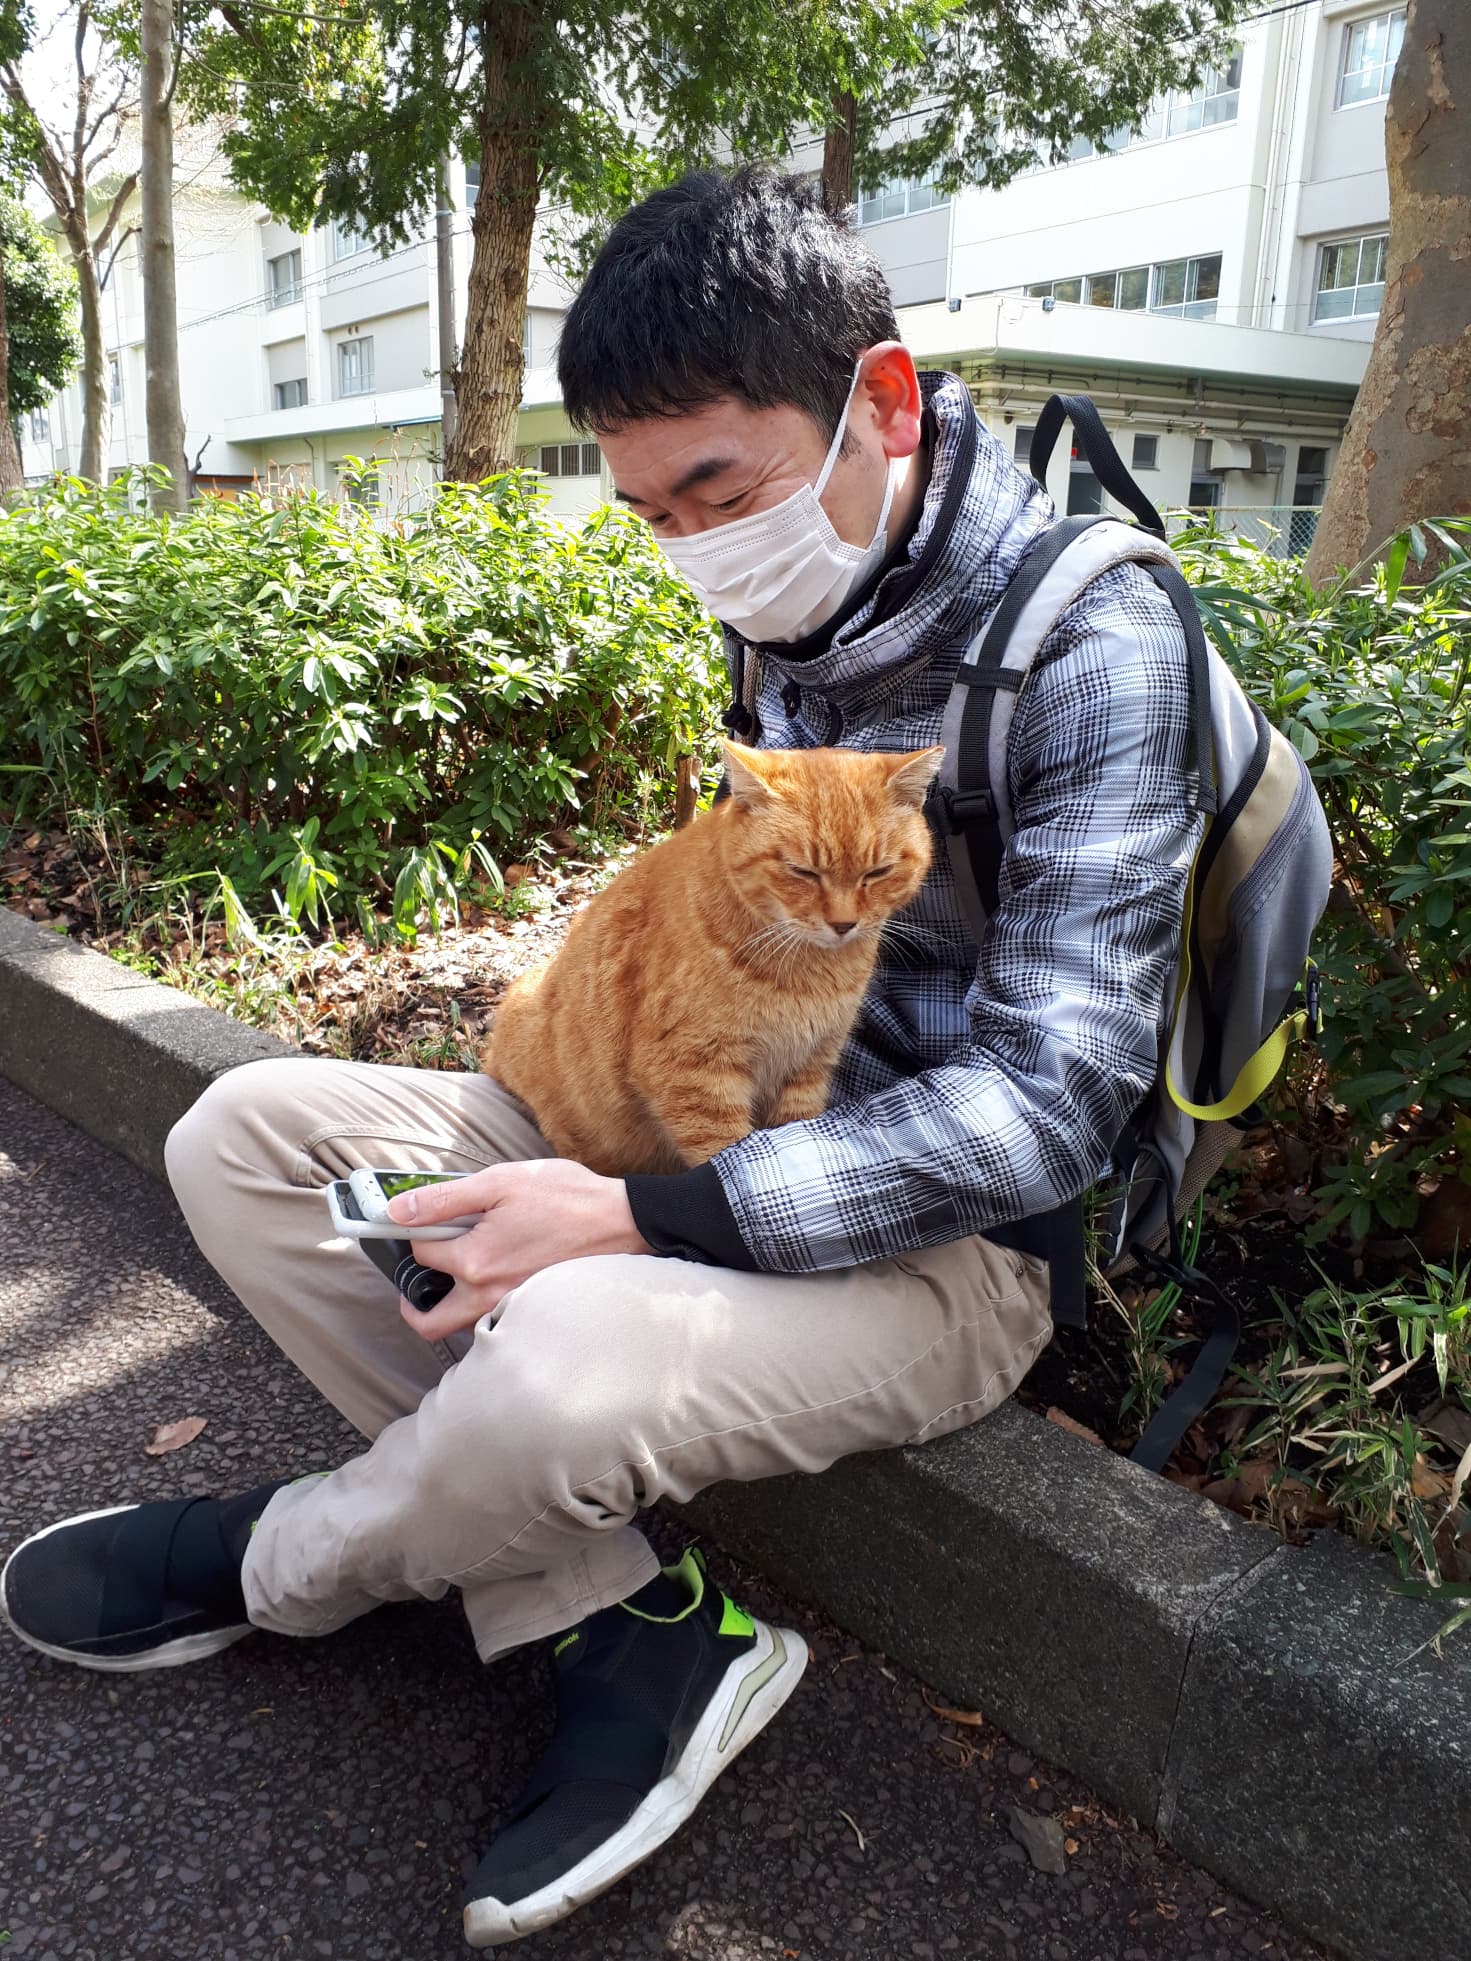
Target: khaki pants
512 1460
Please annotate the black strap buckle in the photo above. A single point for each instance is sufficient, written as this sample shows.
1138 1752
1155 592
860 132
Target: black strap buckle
951 809
1312 1000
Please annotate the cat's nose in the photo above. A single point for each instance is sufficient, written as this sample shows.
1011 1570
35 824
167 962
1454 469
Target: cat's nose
841 926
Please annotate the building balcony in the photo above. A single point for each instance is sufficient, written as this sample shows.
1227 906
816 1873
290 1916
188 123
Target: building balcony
992 329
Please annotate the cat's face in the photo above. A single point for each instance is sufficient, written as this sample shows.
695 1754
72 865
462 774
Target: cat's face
828 843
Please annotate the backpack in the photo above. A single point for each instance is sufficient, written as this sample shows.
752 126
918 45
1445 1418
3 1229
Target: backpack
1245 987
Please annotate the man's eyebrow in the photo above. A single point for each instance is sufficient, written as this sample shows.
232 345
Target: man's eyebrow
712 466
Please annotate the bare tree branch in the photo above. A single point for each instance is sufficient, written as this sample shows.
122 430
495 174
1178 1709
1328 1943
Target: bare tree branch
115 210
112 257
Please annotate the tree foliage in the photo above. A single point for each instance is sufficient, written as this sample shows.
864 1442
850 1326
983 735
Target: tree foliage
40 310
345 108
306 701
984 88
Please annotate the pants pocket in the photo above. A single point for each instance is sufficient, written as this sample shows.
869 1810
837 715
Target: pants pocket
985 1358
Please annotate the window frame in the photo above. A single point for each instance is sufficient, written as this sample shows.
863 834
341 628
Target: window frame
1136 461
558 451
1385 67
115 383
1355 312
341 229
1190 307
365 365
295 381
1207 92
290 293
935 200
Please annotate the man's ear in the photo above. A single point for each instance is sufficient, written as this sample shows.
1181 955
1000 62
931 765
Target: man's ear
913 774
748 773
891 387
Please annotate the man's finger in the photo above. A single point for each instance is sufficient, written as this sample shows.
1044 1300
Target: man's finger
427 1205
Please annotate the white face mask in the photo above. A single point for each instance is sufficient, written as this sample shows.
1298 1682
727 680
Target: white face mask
779 573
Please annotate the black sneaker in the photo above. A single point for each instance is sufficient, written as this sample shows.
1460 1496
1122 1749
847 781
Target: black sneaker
136 1586
650 1709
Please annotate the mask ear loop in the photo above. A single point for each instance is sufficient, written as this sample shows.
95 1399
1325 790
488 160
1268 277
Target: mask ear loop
837 442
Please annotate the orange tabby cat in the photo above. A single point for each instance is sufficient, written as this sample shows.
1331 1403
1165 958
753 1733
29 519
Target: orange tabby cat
709 989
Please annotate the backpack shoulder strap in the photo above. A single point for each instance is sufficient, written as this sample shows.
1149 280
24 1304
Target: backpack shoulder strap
1106 463
970 805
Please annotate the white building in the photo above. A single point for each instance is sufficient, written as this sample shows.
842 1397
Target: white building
1212 279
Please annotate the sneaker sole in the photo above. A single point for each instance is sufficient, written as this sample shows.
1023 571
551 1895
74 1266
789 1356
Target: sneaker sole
754 1688
169 1654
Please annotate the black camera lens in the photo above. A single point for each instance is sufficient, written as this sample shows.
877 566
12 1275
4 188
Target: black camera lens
422 1287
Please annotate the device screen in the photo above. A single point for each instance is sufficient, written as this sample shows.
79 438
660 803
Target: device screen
391 1183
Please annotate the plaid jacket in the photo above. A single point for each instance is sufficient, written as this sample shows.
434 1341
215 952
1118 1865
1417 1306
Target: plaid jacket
980 1085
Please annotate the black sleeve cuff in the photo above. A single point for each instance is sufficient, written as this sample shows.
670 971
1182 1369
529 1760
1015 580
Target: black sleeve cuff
688 1215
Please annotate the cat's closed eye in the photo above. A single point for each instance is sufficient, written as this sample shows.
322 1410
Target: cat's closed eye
803 871
879 871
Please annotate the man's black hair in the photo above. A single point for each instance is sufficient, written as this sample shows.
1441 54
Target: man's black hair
741 284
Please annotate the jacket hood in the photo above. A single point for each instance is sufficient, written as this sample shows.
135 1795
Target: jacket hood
979 515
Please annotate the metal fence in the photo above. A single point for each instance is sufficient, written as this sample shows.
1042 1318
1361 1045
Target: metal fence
1284 530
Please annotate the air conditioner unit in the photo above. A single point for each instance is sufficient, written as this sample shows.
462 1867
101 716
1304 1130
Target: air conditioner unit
1268 459
1227 454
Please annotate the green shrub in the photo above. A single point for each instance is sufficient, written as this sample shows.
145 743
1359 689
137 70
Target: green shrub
288 695
1369 680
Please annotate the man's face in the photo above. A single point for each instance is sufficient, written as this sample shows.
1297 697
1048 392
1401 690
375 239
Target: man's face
690 473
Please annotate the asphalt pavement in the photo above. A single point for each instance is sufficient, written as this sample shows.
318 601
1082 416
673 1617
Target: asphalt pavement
327 1798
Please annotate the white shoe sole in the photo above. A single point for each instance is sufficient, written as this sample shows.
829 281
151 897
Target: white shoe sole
776 1664
170 1654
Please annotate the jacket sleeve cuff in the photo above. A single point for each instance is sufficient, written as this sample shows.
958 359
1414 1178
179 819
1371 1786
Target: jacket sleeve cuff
687 1214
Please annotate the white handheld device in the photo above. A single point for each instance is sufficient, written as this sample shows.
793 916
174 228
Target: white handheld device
359 1205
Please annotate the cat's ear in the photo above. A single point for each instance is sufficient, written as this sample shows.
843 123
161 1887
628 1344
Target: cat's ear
748 773
912 775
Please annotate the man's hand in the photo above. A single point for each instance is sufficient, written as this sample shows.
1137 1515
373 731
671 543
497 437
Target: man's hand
537 1213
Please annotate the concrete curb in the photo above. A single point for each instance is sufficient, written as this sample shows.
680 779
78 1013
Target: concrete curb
1262 1708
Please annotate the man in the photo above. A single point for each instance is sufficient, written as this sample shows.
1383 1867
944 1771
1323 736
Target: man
835 1285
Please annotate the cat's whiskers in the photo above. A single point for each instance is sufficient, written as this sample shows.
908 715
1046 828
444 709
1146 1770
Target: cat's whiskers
774 935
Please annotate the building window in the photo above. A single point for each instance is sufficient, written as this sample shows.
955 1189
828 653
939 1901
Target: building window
347 240
1351 278
1022 445
1370 50
899 200
1146 452
1084 491
1215 100
570 460
285 276
355 367
1126 290
291 394
366 491
1205 483
40 426
472 181
1312 476
1187 288
115 391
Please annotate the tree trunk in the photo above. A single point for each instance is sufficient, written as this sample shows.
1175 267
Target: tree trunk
160 305
837 151
12 476
1407 449
444 274
488 380
96 381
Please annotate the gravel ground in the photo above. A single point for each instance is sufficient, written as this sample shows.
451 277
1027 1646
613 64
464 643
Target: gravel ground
327 1798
